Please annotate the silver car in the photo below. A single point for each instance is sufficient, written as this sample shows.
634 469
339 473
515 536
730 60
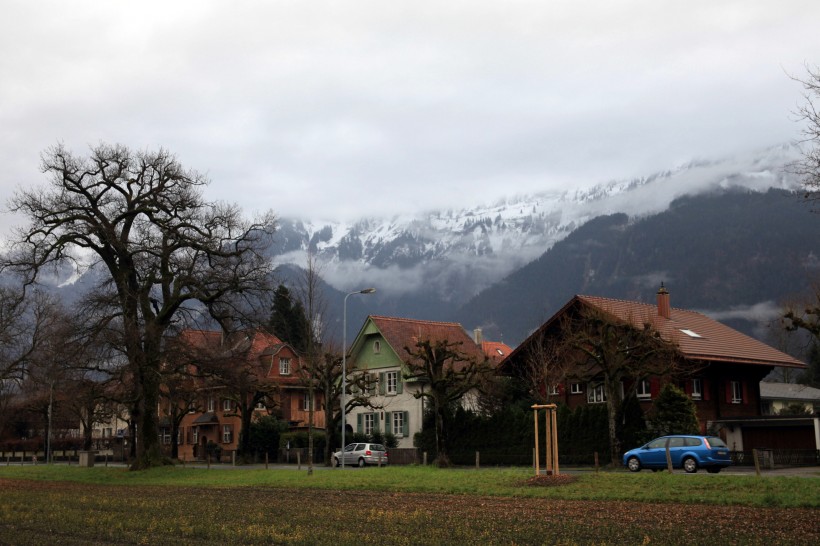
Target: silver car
361 454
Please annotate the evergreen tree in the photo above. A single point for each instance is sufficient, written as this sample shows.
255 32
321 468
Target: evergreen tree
288 321
632 424
674 413
811 376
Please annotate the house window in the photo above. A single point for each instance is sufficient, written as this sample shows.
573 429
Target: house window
392 381
226 405
367 421
697 389
284 366
398 423
196 435
306 402
372 382
377 347
595 394
227 434
107 432
191 408
644 389
575 388
737 392
211 404
166 436
179 436
554 390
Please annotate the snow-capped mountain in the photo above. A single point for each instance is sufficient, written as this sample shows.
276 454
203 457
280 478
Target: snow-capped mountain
444 257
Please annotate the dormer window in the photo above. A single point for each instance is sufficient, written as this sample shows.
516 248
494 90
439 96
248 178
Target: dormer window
377 347
284 366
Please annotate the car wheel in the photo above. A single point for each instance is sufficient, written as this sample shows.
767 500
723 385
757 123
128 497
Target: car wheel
633 464
690 465
361 463
713 469
336 462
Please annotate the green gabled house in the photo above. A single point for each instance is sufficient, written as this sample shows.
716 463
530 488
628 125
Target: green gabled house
379 350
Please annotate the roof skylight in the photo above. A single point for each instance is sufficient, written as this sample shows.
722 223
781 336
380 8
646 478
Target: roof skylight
690 333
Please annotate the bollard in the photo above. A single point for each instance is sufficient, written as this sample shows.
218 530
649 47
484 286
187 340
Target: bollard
596 462
106 459
477 466
757 462
424 459
668 458
299 460
233 458
209 461
266 460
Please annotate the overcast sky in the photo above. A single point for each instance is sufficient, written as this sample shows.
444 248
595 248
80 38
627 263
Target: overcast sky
337 109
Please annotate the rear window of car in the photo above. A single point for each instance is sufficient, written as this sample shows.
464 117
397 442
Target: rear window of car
714 441
378 447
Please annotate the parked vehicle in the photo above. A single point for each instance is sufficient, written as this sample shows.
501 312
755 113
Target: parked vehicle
361 454
689 452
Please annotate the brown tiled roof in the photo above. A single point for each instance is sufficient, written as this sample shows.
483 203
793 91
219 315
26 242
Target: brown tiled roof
256 344
496 350
697 336
403 332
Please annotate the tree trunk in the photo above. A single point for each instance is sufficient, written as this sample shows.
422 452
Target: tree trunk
149 451
612 405
442 459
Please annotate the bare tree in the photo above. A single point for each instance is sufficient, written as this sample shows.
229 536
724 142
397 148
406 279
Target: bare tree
545 366
447 373
27 323
241 375
315 309
610 351
142 218
809 167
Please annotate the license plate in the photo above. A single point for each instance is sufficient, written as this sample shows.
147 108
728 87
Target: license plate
723 452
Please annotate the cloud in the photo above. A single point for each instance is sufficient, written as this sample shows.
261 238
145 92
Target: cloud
343 109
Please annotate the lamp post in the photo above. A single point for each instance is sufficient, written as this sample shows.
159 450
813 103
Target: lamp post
344 364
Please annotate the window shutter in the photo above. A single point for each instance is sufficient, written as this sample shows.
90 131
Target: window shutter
745 391
654 387
388 422
399 383
382 381
376 422
728 392
687 387
358 423
706 389
406 428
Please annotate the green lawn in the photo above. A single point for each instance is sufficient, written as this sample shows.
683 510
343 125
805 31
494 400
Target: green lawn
650 487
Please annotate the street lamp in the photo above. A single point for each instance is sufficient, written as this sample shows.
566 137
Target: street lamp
344 363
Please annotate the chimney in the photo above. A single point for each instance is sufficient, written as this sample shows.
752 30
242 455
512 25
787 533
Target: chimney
477 336
664 308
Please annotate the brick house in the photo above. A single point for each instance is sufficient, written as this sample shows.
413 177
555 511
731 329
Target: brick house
213 414
727 366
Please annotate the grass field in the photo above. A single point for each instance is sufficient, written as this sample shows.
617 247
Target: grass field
407 505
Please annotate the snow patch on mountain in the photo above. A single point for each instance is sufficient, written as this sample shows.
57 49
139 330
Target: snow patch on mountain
455 253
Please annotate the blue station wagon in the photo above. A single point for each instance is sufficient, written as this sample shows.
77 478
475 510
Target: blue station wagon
687 451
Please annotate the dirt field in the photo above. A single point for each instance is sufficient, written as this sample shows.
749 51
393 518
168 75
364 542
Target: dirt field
69 513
